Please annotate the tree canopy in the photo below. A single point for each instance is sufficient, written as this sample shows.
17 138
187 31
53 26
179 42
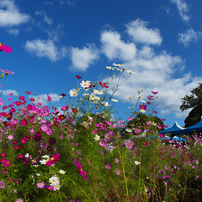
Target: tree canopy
194 102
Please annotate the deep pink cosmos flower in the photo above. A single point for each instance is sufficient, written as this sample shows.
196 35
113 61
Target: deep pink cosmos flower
103 85
21 98
37 137
23 141
53 160
49 98
3 154
154 92
78 77
7 163
21 156
81 172
23 122
5 48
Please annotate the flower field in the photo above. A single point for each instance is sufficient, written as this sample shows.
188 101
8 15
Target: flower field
82 155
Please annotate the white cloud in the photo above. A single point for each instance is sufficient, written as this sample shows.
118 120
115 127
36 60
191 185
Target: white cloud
45 18
13 31
44 99
154 72
141 34
10 14
49 3
42 48
189 36
82 58
56 34
113 47
7 92
183 8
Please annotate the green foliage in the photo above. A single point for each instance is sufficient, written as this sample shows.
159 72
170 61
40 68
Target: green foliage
140 122
194 101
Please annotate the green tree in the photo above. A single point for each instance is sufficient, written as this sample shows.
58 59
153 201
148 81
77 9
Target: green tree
194 101
140 120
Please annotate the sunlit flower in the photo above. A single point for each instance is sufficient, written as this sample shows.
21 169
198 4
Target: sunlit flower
113 100
129 130
62 172
54 180
85 84
137 163
97 137
73 93
98 92
117 65
130 72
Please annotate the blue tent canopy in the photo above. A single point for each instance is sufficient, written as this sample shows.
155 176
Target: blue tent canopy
176 129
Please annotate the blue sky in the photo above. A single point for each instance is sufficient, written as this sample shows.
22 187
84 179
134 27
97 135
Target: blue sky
52 41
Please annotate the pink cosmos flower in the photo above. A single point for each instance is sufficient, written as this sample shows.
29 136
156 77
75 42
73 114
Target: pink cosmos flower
40 185
5 48
117 172
2 185
81 172
7 72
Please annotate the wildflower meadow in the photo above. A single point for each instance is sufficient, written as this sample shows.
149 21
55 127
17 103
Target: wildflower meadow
81 155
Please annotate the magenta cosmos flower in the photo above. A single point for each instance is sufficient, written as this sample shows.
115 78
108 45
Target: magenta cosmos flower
81 172
5 48
53 160
23 122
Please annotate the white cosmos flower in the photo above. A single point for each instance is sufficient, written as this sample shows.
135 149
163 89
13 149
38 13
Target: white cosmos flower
130 72
62 172
85 84
106 104
98 92
139 96
97 137
44 161
110 68
117 65
143 101
131 107
129 130
113 100
54 180
137 163
45 157
73 93
27 155
56 187
119 70
142 110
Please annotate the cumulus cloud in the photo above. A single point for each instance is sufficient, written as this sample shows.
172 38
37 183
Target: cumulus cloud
44 99
154 72
13 31
113 47
138 31
49 3
10 14
45 18
7 92
82 58
42 48
183 8
189 36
